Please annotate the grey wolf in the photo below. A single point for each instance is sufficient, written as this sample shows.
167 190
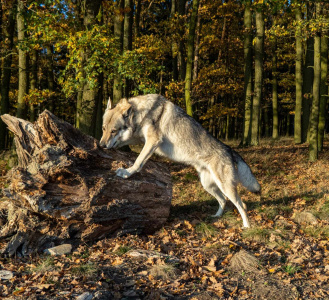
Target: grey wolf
166 129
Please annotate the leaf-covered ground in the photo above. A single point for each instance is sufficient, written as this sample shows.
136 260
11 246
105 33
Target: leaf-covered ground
285 255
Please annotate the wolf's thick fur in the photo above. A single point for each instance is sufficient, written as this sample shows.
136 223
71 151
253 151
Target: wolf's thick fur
166 129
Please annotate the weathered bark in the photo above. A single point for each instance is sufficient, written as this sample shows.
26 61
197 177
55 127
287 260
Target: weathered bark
65 189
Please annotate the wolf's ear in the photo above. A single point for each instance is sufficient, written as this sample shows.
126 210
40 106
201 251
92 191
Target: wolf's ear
109 104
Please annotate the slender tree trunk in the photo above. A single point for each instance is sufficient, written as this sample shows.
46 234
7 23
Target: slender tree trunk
275 130
174 45
88 111
323 89
259 53
50 77
138 18
308 75
118 33
8 26
314 121
299 78
190 51
33 81
181 46
127 36
196 50
22 61
247 72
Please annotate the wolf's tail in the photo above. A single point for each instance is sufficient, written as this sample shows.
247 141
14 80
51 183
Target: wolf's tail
246 177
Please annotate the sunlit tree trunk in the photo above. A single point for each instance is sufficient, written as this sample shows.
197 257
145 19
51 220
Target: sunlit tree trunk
8 25
88 111
298 78
314 121
323 89
22 61
190 52
259 53
247 72
118 33
275 130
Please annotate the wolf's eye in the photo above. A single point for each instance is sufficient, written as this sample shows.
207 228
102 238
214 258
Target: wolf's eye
103 128
113 131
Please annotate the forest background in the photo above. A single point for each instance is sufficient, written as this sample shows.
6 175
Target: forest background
244 69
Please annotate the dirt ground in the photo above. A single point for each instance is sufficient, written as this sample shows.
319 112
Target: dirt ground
285 254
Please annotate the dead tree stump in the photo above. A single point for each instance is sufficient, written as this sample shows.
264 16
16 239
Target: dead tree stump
64 189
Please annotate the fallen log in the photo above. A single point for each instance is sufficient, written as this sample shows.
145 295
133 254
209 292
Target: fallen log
64 189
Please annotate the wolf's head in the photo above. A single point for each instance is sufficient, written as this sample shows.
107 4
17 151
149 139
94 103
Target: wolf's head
117 129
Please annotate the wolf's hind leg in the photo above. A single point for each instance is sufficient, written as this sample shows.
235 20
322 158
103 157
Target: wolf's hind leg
211 187
229 188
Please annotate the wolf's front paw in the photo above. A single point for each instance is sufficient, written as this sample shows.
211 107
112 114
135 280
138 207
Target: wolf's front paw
123 173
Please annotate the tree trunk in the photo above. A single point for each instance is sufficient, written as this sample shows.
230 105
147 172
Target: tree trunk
190 51
22 61
299 78
259 53
275 130
314 121
307 80
174 45
127 37
8 26
247 73
50 77
323 89
33 81
181 46
65 189
118 33
88 108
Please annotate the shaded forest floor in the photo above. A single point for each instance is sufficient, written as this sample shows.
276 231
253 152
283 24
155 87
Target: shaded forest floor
285 255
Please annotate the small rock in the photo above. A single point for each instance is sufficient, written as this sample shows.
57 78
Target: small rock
306 217
6 275
326 268
85 296
59 250
103 295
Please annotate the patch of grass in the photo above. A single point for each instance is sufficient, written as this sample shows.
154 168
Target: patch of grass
206 230
87 270
270 211
46 265
317 231
230 218
291 269
257 234
190 177
122 250
163 271
323 211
